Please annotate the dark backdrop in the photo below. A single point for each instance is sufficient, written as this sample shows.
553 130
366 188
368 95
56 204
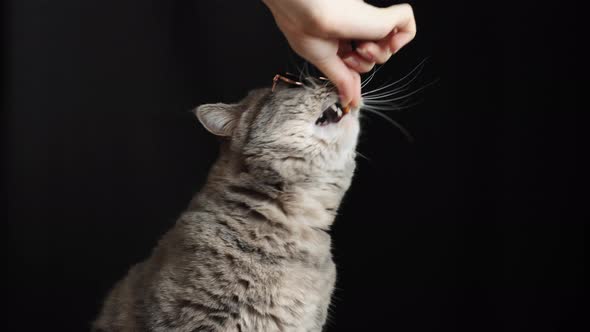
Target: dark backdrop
471 227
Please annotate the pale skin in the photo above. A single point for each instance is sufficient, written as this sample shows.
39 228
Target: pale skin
321 32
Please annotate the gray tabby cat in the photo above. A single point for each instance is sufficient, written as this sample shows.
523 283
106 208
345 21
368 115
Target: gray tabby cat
251 252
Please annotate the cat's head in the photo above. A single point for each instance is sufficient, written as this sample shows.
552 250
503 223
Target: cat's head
295 133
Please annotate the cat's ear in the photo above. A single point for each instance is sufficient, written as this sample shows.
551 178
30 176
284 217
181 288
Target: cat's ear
219 119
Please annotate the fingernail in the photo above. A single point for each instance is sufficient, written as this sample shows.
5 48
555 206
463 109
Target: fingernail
365 54
351 61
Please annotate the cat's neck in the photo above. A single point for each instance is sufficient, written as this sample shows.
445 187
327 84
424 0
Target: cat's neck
313 203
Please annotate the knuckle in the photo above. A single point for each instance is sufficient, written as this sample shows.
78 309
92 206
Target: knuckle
367 68
321 23
383 57
340 82
412 34
412 21
408 9
409 18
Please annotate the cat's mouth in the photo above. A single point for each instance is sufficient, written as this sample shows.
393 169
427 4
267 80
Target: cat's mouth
332 114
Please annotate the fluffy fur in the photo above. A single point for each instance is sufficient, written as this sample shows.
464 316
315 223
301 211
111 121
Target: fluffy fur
251 252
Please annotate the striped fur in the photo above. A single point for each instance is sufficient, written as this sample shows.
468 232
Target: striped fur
251 252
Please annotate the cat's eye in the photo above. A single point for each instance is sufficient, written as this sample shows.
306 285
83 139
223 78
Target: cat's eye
332 114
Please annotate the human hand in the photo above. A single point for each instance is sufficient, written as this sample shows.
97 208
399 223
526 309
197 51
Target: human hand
321 31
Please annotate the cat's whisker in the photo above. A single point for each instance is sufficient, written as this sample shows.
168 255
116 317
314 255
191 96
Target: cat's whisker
388 93
408 94
362 156
393 91
299 72
368 79
385 94
312 81
419 67
397 89
388 85
401 128
302 72
391 107
306 69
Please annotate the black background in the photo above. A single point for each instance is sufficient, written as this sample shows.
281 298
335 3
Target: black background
472 227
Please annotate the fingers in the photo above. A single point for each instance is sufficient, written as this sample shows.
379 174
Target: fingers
354 61
397 22
354 23
376 52
399 40
328 25
326 56
382 50
346 80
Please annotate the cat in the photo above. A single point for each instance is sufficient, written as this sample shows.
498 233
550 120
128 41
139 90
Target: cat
251 252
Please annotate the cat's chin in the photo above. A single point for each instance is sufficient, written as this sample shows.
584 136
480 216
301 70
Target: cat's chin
344 144
350 129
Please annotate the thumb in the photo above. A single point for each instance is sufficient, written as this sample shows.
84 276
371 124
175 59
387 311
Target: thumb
345 79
